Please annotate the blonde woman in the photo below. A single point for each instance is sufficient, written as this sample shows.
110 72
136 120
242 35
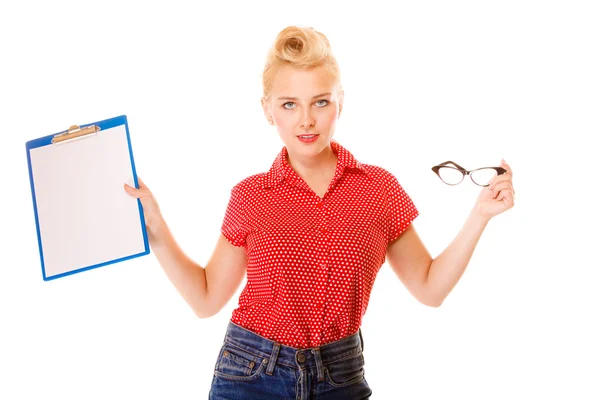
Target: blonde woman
310 234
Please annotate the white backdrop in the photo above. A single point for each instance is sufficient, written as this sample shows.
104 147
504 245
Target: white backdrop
425 82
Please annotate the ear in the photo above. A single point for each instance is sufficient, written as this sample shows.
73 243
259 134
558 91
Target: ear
340 102
267 110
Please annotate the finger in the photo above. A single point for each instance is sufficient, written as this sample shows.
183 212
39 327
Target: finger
137 192
501 178
505 165
507 197
496 187
132 191
497 194
504 193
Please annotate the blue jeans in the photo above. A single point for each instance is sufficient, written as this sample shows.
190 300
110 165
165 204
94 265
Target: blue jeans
251 366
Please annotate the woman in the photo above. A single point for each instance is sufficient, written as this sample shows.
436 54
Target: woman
311 234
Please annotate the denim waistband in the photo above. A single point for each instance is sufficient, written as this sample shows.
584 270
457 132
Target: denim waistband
276 353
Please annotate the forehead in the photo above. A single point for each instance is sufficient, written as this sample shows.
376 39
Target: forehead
302 83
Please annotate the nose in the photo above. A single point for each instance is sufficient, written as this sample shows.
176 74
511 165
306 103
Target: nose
307 120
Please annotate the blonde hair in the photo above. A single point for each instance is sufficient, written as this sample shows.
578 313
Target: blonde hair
301 48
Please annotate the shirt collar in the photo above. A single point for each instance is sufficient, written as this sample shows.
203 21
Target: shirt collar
281 169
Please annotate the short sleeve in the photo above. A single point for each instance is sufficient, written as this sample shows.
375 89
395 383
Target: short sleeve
401 210
234 226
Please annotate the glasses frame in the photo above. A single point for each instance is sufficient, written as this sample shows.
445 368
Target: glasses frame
463 171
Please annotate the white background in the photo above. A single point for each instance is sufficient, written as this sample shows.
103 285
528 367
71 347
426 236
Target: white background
425 82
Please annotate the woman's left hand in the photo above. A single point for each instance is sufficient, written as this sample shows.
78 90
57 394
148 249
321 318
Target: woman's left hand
499 196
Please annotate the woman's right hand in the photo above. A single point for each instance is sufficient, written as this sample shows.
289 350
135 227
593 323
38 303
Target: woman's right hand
152 215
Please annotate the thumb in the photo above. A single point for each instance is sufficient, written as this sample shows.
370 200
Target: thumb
131 190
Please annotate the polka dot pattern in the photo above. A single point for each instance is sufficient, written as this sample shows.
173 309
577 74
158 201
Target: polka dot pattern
312 262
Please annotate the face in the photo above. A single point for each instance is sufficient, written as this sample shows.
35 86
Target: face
304 102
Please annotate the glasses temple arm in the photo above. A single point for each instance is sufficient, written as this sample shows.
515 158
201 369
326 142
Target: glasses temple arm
453 163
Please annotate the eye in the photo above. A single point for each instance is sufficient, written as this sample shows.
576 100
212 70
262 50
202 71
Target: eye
323 105
285 104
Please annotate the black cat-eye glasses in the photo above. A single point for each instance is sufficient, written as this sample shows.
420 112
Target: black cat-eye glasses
452 174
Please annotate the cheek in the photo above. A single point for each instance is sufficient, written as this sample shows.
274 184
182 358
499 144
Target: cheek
284 122
329 118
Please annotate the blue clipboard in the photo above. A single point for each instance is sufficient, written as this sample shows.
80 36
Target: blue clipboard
84 218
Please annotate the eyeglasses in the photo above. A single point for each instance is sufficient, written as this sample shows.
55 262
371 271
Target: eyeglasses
453 175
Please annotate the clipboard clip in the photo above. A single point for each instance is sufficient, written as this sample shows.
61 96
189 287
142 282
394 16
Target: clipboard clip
75 132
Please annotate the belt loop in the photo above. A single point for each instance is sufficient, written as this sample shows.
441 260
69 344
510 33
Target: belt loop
362 345
274 355
320 368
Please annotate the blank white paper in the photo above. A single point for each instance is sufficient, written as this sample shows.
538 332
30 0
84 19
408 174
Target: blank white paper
85 216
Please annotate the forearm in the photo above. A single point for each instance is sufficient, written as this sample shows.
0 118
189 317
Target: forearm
447 268
188 277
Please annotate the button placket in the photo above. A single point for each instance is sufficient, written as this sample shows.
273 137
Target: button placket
322 264
324 225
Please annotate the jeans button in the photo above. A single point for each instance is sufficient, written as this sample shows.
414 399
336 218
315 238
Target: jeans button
301 357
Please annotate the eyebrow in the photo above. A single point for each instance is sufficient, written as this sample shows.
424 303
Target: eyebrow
295 98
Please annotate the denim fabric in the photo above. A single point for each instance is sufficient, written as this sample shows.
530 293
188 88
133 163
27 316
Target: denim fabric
250 366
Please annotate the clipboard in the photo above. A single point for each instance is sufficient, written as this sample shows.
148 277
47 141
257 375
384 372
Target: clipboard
84 218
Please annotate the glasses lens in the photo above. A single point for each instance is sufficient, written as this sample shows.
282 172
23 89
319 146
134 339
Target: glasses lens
451 176
483 176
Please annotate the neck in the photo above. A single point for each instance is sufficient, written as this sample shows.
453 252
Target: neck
316 166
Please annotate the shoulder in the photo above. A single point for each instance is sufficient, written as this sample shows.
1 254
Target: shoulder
384 182
380 175
249 184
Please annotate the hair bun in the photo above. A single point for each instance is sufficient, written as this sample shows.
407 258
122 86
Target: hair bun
303 47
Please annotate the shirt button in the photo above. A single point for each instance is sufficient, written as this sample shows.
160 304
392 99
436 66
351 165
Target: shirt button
323 266
323 230
320 204
301 357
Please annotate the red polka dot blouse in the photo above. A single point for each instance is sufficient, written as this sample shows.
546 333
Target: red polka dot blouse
312 262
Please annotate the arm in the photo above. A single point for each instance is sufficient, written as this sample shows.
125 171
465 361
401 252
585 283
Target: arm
205 289
431 280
